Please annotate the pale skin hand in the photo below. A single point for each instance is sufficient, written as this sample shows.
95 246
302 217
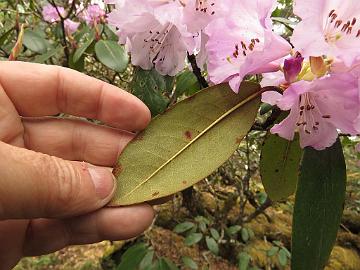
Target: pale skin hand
48 198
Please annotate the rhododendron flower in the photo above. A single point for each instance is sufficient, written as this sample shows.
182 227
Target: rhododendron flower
93 14
70 26
199 13
317 109
154 34
51 13
243 42
328 27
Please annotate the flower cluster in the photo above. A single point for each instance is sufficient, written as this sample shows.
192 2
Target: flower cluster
320 81
233 38
91 15
317 76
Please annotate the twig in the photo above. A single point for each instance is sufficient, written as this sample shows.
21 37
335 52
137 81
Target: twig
260 210
196 70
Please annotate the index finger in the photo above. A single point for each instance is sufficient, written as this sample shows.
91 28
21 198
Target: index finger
44 90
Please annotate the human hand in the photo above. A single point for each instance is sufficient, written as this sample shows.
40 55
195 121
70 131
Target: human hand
49 198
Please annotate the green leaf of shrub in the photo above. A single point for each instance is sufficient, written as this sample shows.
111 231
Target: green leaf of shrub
318 207
245 235
112 55
212 245
35 42
183 227
282 256
150 86
186 83
272 251
132 257
243 261
279 166
233 230
193 238
215 234
82 49
146 262
189 262
185 144
46 56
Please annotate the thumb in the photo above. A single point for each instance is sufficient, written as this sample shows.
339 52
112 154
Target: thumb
36 185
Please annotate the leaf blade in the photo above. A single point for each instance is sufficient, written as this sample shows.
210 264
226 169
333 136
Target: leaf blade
318 207
165 150
279 165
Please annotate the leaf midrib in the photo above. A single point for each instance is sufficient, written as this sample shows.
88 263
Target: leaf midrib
237 106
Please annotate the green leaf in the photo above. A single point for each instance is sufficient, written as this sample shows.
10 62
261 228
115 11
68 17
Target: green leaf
82 49
112 55
243 261
146 262
202 226
110 33
215 234
233 230
35 42
279 165
186 83
282 256
265 108
132 257
149 86
183 227
188 262
166 264
5 36
185 144
212 245
46 56
79 65
193 238
272 251
245 235
318 207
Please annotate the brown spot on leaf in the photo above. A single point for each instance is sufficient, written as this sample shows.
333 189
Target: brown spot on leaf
117 170
184 182
155 193
238 140
188 135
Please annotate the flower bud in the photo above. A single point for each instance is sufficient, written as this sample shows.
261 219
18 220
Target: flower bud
292 67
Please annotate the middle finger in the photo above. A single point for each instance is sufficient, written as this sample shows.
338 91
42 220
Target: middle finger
74 139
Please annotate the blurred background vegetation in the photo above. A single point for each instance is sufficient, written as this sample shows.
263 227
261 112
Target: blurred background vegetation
227 220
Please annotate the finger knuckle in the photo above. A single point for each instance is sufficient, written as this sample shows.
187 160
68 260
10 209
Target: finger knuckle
62 180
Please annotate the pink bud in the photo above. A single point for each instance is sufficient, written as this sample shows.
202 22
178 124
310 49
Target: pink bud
292 67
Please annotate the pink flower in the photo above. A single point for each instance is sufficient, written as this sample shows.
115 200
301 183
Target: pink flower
199 13
93 14
70 26
317 109
328 27
154 34
243 43
50 14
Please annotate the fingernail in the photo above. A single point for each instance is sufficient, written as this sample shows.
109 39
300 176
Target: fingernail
104 181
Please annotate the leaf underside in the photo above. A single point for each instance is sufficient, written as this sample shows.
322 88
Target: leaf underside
185 144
